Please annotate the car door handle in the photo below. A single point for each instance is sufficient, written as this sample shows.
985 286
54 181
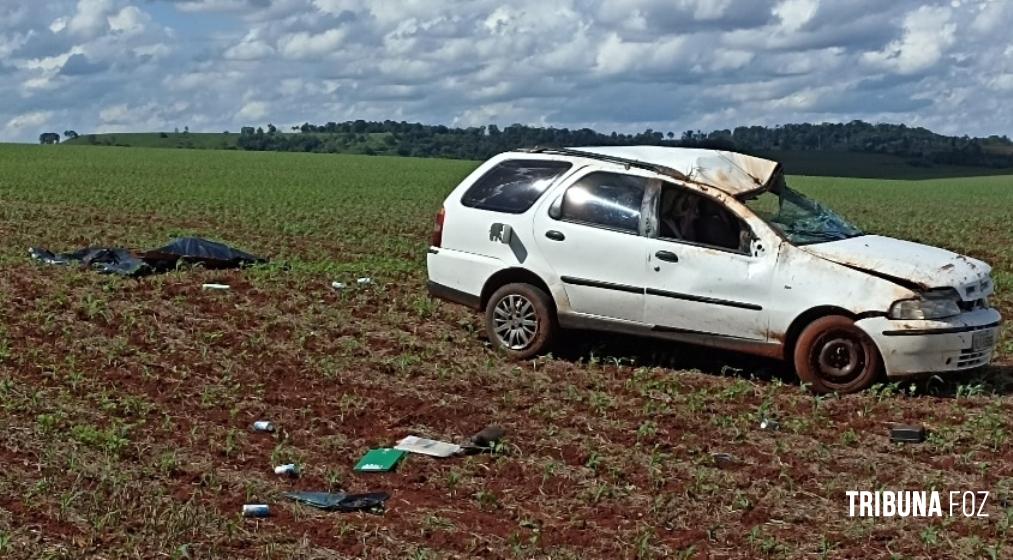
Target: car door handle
667 256
555 235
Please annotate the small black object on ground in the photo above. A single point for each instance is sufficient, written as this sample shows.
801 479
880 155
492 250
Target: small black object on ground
907 434
340 501
485 440
723 460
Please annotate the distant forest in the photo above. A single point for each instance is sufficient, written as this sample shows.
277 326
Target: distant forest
918 146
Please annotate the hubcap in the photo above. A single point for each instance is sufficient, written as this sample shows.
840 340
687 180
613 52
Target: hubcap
840 356
515 322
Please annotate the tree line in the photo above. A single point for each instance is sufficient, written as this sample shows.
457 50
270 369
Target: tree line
918 145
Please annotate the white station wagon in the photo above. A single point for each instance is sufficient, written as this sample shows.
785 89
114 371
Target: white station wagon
705 247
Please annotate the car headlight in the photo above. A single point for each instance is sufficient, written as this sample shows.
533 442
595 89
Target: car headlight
936 304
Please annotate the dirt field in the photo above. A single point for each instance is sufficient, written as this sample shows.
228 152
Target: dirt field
126 404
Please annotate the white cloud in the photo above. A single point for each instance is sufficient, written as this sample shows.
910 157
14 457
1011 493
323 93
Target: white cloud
58 25
337 6
249 50
9 44
617 56
1002 82
305 45
115 114
154 50
214 5
928 33
91 17
129 20
795 14
253 111
27 123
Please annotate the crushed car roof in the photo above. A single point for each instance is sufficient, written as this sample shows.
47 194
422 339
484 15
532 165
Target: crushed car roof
730 172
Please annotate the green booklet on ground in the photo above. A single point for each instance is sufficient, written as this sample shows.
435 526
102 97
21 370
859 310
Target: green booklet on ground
380 460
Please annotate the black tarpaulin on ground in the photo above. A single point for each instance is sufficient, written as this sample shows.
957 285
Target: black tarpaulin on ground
185 250
194 250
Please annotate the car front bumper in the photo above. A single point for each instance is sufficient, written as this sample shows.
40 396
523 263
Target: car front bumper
911 347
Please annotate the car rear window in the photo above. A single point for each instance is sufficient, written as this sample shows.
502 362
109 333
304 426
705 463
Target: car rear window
514 185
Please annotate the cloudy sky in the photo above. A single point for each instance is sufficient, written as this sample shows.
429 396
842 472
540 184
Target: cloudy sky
213 65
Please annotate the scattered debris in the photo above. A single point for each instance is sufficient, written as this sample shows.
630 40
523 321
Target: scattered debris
731 371
380 460
907 434
256 510
365 281
485 440
216 286
722 460
659 396
263 426
770 424
432 447
337 286
290 469
105 260
123 262
340 501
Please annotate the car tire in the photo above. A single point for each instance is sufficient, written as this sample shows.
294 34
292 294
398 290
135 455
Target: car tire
520 320
833 355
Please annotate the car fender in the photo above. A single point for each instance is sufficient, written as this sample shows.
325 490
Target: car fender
804 282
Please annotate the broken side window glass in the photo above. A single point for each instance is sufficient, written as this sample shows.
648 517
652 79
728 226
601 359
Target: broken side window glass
802 220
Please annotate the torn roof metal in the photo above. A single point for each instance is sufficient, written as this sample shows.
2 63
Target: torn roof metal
730 172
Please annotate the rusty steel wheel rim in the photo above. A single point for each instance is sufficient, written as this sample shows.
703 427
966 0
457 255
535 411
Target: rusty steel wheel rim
839 356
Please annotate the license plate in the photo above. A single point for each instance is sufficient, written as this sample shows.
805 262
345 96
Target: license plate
982 340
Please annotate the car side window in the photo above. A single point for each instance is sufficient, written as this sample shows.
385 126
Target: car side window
513 185
608 200
690 217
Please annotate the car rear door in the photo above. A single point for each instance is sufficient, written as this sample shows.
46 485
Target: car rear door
705 280
590 234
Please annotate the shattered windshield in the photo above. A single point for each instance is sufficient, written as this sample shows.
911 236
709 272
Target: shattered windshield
802 220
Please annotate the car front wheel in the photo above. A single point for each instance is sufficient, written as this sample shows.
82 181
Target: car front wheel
833 355
520 320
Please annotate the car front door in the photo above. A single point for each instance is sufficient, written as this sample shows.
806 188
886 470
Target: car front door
591 236
707 272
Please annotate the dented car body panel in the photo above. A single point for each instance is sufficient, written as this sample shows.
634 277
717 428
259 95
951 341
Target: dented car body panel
927 267
752 296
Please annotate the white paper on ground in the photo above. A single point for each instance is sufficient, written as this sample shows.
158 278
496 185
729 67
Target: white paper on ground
425 446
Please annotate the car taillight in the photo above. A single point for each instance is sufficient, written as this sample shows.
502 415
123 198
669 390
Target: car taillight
438 228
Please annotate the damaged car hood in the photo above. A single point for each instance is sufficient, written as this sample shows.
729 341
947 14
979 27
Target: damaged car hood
908 262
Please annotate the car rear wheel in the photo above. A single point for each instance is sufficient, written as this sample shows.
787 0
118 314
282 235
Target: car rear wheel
520 320
833 355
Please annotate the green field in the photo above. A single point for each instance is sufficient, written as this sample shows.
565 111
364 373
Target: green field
126 403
